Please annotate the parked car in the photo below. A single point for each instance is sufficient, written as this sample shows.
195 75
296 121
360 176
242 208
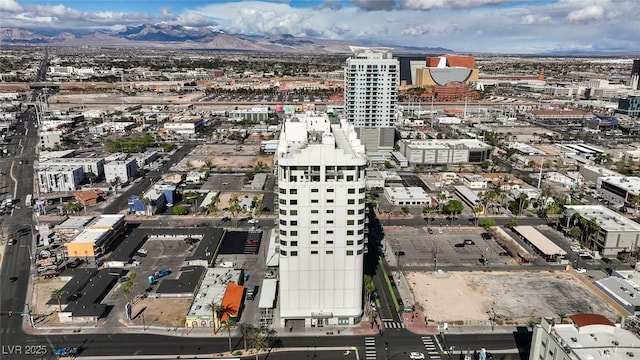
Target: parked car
12 241
581 270
190 240
430 231
143 251
252 221
13 279
503 253
416 356
469 242
486 236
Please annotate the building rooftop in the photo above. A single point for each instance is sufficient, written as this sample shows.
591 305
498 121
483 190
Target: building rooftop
591 337
90 236
315 129
446 144
106 222
212 289
624 290
606 218
186 283
628 183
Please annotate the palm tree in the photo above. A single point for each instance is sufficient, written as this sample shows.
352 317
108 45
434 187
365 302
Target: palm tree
234 207
115 183
228 325
261 338
57 294
245 330
147 203
214 308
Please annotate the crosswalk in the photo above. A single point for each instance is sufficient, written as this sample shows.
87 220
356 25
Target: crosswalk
390 324
430 346
370 348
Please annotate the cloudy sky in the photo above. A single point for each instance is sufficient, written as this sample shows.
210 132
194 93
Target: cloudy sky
501 26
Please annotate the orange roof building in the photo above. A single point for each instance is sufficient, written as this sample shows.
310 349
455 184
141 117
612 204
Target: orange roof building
232 302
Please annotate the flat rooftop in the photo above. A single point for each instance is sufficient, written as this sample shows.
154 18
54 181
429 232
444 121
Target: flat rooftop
598 341
607 219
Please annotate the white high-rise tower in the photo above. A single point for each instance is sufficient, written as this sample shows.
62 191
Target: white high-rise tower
372 77
321 181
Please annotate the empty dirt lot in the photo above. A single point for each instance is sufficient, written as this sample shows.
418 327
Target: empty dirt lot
466 298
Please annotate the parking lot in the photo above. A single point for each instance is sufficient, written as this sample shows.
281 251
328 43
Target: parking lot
419 247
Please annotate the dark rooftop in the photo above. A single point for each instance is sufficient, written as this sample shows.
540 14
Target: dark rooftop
187 282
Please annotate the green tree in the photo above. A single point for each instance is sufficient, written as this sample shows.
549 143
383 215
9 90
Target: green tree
91 177
212 208
214 308
512 223
58 294
228 325
428 212
115 183
234 207
406 210
245 330
179 210
476 213
453 208
487 223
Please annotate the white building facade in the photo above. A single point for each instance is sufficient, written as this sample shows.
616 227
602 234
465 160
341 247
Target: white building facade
372 77
321 180
59 177
125 170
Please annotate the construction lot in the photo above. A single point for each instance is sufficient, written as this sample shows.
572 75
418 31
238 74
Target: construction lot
518 298
224 157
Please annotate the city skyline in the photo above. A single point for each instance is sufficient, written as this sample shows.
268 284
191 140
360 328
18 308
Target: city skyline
494 26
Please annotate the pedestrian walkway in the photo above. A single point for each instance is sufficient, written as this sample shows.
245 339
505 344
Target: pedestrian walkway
370 348
430 346
391 324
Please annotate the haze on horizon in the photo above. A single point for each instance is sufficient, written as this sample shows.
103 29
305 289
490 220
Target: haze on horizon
494 26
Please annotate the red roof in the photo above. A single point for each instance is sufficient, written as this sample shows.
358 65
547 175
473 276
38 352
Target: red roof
590 319
231 301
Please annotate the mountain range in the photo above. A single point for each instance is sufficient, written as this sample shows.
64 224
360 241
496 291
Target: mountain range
180 37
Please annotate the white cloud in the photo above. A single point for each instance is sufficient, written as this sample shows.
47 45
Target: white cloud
461 25
10 6
453 4
374 5
533 19
591 12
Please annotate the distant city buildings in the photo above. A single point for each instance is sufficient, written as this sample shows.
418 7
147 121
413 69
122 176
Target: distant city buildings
321 184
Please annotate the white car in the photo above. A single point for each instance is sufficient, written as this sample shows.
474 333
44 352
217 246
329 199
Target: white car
416 356
252 221
581 270
143 251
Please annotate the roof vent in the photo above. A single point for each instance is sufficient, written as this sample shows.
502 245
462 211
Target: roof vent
615 342
574 339
630 354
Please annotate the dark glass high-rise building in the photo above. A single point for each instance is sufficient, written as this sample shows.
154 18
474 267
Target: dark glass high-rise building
635 75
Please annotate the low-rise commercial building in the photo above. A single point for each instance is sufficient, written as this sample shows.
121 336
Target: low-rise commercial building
618 189
588 337
615 234
59 177
407 196
445 152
